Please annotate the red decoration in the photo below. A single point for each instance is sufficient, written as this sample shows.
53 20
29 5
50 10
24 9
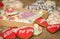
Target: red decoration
25 33
1 17
59 27
9 9
12 18
42 21
9 34
53 28
1 5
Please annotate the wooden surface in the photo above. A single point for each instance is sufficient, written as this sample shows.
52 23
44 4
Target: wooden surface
27 2
57 2
13 23
45 34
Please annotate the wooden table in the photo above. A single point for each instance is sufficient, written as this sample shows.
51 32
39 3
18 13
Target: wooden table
45 34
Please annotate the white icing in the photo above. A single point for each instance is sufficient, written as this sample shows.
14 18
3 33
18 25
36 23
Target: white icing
54 18
50 6
37 30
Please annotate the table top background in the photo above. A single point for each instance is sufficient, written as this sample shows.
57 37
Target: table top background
45 34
